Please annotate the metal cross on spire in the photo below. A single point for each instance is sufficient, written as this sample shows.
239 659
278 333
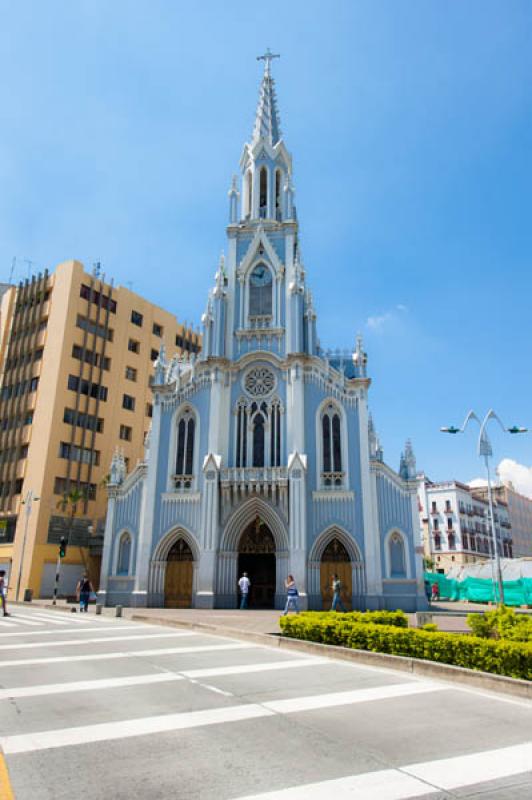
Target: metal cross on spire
267 58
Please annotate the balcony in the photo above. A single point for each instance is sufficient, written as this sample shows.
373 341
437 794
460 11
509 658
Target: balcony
239 483
332 480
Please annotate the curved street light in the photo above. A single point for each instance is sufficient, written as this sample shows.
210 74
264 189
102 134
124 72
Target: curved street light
485 451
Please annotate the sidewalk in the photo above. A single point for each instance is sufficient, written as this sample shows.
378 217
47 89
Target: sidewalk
255 621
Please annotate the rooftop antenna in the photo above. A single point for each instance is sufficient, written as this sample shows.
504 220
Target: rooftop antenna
29 262
13 265
96 269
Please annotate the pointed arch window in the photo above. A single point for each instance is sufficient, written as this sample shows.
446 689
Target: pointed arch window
258 436
260 295
259 424
331 440
124 555
278 208
184 470
397 556
263 193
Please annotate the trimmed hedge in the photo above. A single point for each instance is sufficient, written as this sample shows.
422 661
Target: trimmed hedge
502 623
513 659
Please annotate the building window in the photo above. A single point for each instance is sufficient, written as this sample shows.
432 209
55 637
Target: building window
63 485
83 455
331 471
258 421
452 541
131 374
260 292
397 556
449 523
125 433
93 296
448 506
154 355
133 346
137 318
90 357
186 429
91 327
81 420
128 402
34 383
437 541
157 329
149 409
95 390
124 555
263 193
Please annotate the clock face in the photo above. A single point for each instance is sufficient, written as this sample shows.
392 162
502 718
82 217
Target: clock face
261 276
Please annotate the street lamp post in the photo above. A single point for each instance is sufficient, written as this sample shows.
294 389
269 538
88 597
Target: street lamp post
485 451
30 498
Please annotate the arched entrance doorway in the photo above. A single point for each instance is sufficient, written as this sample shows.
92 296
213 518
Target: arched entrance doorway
335 560
256 556
178 576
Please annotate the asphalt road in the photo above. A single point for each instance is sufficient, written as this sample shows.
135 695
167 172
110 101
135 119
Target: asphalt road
106 708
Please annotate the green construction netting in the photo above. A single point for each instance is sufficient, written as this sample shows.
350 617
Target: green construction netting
480 590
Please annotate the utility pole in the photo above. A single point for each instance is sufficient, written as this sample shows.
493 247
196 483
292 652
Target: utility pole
30 498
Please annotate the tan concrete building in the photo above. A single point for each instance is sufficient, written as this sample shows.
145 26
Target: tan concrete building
76 359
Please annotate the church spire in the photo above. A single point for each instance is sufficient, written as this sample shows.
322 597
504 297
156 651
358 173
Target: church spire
267 117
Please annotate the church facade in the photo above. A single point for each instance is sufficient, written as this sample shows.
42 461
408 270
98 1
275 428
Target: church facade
262 456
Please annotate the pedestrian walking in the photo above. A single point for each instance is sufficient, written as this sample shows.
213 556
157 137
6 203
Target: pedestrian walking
291 595
3 592
243 584
83 592
428 591
336 589
435 591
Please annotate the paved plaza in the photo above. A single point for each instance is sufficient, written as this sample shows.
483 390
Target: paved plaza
106 707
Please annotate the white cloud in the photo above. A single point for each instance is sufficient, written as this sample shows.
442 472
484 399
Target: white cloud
510 471
518 475
378 322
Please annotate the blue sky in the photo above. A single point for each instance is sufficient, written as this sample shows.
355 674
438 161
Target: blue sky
409 124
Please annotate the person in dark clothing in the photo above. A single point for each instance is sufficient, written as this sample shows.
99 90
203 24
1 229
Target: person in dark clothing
83 592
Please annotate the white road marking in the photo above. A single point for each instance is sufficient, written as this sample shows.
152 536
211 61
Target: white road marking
141 637
312 702
44 618
30 742
22 662
5 623
87 686
97 629
451 773
414 780
386 784
244 669
214 689
107 731
23 621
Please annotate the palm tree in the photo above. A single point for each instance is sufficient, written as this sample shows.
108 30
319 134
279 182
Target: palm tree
69 503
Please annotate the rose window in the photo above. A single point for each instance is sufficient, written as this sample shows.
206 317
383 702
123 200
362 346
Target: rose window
259 382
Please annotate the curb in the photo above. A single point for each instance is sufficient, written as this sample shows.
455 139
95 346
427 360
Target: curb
495 684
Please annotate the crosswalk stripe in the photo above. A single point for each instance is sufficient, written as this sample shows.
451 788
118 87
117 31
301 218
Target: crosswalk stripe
86 686
23 621
105 683
386 784
23 662
451 773
313 702
49 619
244 669
30 742
141 637
414 780
97 629
5 623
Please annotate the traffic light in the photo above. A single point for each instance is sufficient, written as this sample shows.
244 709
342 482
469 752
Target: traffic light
62 547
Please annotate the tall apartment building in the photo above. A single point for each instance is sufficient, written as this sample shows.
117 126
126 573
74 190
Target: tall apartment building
76 358
520 513
455 527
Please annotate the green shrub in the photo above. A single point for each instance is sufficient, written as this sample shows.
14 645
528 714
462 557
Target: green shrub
430 626
513 659
502 623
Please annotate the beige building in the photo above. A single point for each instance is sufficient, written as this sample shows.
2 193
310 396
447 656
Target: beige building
520 513
76 358
454 524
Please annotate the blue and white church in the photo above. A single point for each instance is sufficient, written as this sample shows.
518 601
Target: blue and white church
262 456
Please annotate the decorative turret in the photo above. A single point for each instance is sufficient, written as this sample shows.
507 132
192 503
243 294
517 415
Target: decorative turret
360 358
407 464
160 365
117 472
375 448
234 196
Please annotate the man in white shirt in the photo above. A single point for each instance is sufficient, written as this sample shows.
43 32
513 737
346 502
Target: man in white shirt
243 584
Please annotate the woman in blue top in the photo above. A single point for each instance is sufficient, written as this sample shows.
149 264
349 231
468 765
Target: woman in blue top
291 595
